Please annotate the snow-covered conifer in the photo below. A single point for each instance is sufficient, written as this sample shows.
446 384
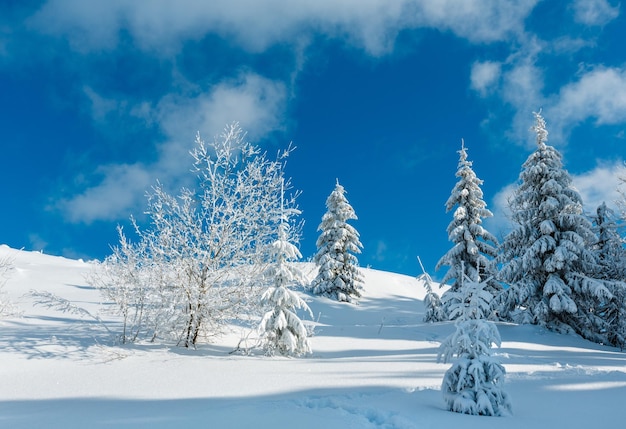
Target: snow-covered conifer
473 385
609 246
282 331
611 254
547 258
339 276
475 248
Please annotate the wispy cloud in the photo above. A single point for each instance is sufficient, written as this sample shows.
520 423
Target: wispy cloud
161 29
257 103
500 224
479 21
542 72
594 12
116 196
372 24
484 76
99 106
599 185
598 94
523 90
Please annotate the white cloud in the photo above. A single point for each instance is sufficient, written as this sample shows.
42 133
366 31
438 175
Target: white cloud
381 252
484 76
599 94
477 20
162 25
523 89
89 25
500 224
594 12
599 185
255 102
100 106
115 197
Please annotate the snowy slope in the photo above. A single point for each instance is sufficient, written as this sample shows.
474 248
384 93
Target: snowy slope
374 366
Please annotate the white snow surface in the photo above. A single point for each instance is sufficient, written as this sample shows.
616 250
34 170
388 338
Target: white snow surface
373 366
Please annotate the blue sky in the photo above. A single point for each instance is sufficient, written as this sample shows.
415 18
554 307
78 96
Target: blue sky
100 99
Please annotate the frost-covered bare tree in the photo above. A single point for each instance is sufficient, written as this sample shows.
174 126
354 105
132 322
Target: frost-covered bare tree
432 302
474 248
473 385
199 262
621 189
339 276
7 308
547 258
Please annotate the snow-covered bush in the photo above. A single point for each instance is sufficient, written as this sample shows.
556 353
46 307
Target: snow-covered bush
339 276
474 247
473 385
198 264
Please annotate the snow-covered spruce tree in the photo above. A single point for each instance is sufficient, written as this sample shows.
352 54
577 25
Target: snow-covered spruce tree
547 257
339 276
609 246
282 331
475 248
611 254
196 266
473 385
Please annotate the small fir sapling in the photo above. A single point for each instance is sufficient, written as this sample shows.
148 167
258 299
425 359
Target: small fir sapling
282 331
473 385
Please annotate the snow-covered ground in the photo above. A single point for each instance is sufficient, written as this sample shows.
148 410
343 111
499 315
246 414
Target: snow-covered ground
373 366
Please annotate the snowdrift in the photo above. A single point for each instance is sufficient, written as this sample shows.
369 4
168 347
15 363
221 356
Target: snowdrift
373 366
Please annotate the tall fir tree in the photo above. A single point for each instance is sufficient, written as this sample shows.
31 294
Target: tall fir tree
339 276
475 248
611 254
547 258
